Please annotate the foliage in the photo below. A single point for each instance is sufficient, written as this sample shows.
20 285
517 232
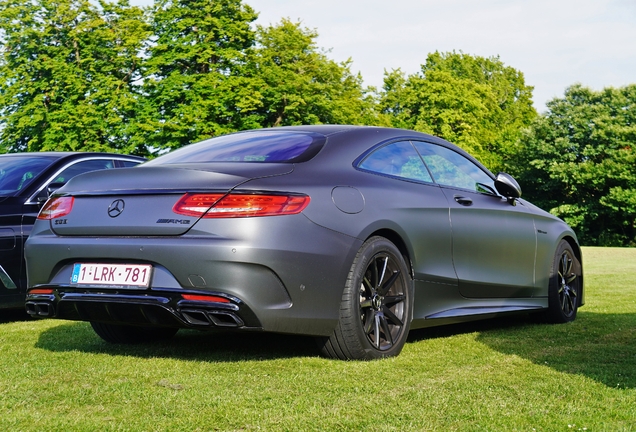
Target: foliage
76 75
579 161
298 84
498 375
477 103
69 70
195 78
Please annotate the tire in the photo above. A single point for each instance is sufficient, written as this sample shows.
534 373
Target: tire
376 308
564 292
126 334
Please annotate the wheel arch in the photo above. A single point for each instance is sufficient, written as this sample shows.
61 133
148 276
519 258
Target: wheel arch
397 240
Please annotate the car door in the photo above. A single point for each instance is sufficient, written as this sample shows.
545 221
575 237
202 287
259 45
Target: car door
17 173
415 203
494 241
10 263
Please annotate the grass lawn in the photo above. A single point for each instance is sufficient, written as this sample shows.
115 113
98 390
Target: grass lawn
504 374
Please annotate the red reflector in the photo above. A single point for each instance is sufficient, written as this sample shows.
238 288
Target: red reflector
212 299
240 205
56 208
41 291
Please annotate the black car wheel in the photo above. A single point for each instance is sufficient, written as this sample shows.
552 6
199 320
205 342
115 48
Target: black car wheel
565 285
376 308
126 334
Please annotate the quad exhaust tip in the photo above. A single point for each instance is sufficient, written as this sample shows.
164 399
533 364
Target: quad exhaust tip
211 318
40 309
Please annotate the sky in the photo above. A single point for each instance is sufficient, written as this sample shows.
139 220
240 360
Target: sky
555 43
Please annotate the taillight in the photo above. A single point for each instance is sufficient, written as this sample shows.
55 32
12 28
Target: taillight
239 205
195 204
56 208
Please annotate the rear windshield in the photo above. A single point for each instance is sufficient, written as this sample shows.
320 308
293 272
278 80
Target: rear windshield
258 146
17 172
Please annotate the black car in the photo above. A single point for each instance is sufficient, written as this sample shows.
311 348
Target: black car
26 180
350 234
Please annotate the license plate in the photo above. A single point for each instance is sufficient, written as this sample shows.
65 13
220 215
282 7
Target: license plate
116 275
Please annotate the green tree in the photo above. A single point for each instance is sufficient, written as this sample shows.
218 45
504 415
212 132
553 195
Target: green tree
195 77
299 84
477 103
69 70
578 161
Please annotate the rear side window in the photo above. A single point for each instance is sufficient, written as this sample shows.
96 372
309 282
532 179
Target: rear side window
258 146
397 159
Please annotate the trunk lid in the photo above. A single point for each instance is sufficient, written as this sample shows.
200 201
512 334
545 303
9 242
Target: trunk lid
138 201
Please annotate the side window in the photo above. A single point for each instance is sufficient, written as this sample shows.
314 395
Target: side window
127 164
82 167
452 169
397 159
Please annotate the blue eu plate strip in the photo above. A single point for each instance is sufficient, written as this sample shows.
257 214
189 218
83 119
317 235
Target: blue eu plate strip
76 271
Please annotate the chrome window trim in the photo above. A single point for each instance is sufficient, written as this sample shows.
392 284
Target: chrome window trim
6 279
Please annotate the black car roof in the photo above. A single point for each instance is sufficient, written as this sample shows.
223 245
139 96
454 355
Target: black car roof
62 154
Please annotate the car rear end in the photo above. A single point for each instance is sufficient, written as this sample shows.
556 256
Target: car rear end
187 245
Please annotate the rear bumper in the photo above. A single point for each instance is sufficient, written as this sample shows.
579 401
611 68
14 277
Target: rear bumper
285 274
163 308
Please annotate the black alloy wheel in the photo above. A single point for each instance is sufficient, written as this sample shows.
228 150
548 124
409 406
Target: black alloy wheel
568 296
376 308
565 285
382 302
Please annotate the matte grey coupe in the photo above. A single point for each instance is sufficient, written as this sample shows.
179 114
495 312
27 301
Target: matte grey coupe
351 234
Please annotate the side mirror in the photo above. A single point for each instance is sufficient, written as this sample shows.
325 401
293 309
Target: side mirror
53 187
508 187
50 189
484 188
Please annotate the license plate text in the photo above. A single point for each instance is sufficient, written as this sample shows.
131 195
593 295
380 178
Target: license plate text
133 275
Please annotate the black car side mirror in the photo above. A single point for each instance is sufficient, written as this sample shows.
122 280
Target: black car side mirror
50 189
508 187
53 187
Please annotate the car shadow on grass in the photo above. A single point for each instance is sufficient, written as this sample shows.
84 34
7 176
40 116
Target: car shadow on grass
443 331
13 315
599 346
215 346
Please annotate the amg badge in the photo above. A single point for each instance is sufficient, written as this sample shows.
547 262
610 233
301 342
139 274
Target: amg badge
173 221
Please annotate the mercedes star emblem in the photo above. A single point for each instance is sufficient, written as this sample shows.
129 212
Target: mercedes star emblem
116 208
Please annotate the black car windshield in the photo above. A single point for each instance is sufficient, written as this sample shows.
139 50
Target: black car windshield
259 146
17 172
